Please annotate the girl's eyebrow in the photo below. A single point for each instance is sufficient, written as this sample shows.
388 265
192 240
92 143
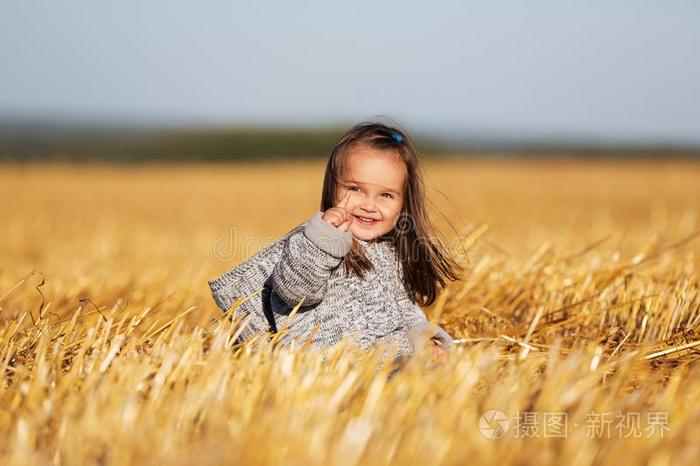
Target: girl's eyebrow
384 188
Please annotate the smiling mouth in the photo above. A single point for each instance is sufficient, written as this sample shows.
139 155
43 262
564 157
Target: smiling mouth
366 220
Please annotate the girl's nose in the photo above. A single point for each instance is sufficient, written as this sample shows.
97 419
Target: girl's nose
367 203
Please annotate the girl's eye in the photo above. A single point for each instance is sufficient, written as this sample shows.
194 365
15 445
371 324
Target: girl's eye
388 195
353 188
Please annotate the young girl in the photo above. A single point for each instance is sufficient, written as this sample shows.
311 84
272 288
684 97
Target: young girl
360 266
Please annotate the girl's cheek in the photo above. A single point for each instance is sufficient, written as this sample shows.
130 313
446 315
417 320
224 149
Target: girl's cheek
397 216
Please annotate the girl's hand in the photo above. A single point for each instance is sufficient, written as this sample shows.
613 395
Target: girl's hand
430 338
339 216
437 352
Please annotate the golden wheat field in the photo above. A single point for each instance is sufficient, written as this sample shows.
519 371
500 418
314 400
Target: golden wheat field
578 321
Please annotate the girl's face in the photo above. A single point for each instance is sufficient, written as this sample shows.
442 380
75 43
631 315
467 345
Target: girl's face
375 180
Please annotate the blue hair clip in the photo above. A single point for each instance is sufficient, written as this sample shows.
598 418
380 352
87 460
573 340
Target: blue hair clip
397 137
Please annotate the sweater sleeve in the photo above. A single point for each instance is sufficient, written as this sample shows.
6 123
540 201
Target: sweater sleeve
412 312
308 258
417 323
416 319
400 338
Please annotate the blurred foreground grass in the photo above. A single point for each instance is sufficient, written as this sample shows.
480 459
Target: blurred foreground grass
578 319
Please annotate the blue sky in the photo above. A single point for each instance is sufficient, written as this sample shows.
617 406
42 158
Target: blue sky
613 70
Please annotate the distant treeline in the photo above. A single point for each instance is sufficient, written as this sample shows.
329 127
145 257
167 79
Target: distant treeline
29 143
133 144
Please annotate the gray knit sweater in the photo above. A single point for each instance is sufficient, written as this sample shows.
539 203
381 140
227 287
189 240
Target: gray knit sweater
306 263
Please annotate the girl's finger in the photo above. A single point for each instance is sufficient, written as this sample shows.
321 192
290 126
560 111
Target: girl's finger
438 342
340 218
439 354
344 201
333 217
345 225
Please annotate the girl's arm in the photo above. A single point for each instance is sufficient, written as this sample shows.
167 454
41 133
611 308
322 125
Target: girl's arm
412 340
412 312
400 338
418 325
308 258
419 333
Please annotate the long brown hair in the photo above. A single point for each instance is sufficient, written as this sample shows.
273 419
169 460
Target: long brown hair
425 261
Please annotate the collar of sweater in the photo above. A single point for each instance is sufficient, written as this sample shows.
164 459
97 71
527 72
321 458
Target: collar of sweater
375 241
